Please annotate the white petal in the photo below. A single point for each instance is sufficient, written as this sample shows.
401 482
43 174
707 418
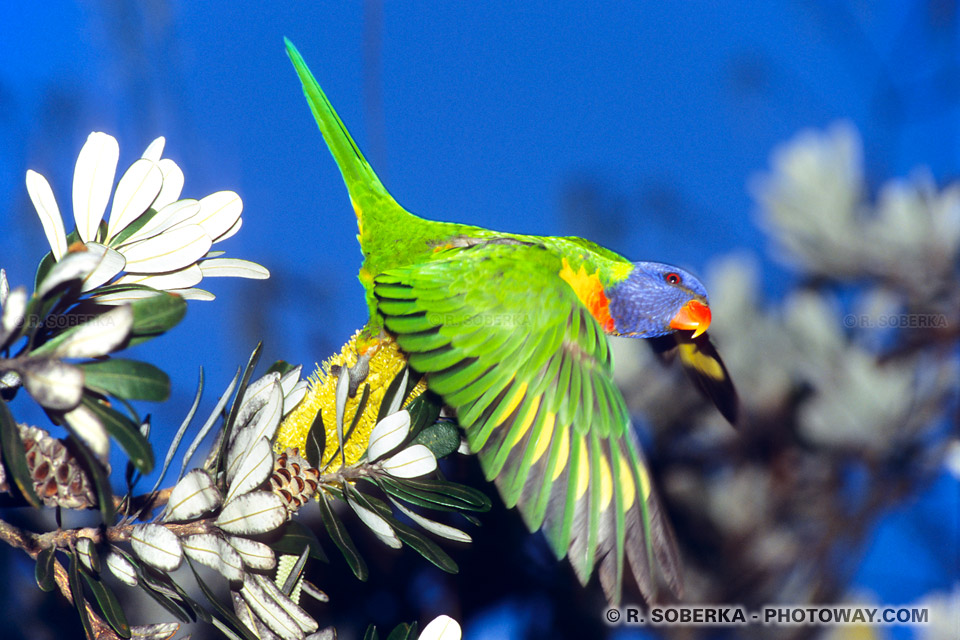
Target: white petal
292 399
254 512
137 190
219 212
53 383
438 528
168 251
255 467
14 309
380 527
97 336
73 266
85 425
411 462
93 182
194 294
212 551
172 183
388 434
122 569
157 546
154 150
195 494
233 268
110 263
46 205
124 297
179 279
301 617
278 620
441 628
255 555
232 231
289 380
166 217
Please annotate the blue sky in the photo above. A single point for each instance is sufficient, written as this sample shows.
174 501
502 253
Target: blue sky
484 113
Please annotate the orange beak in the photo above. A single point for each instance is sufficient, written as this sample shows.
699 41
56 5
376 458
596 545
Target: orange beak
693 316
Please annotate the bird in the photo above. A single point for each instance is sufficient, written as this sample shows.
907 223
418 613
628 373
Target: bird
511 331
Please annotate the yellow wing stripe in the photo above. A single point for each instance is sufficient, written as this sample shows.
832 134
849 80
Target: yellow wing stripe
627 488
508 408
583 472
644 483
546 434
520 430
690 353
564 452
606 482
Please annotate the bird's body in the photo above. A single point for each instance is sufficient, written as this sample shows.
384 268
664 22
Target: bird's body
511 331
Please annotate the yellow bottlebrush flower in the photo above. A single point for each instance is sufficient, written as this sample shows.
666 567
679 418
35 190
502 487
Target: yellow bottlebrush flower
385 365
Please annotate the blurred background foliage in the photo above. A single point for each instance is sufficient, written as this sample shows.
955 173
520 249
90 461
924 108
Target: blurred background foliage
799 155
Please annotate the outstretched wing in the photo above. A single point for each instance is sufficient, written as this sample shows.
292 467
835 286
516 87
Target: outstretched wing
507 343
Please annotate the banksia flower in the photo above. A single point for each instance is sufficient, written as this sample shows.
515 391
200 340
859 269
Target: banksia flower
293 479
58 478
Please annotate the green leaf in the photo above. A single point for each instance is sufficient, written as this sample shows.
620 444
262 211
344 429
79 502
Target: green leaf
392 390
43 269
109 605
156 314
165 585
442 438
76 590
227 614
341 538
424 411
14 457
281 366
316 441
125 432
296 536
133 227
361 407
130 379
100 478
424 546
44 569
371 633
441 493
403 631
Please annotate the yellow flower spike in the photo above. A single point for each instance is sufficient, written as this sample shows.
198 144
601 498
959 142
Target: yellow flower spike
386 363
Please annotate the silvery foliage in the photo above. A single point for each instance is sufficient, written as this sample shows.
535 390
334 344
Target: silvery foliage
852 374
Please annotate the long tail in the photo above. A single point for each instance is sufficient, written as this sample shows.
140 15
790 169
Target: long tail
367 193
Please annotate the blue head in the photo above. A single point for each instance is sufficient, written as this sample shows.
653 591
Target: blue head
657 299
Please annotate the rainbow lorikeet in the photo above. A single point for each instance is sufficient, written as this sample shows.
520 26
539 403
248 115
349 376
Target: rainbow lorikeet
511 332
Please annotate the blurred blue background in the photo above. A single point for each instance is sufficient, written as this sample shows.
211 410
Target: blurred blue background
518 116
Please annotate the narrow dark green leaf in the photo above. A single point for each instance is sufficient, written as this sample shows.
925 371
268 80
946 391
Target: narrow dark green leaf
281 366
133 227
100 478
424 546
226 613
371 633
109 605
392 390
130 379
341 538
44 569
125 432
424 411
361 407
316 441
429 500
295 573
14 457
43 269
442 438
156 314
468 497
295 537
76 590
235 408
180 612
403 631
166 585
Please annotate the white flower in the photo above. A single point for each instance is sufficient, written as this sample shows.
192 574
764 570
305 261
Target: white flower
151 237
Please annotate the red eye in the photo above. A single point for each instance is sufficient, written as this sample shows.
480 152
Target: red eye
672 278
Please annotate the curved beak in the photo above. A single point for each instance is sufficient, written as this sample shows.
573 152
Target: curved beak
693 316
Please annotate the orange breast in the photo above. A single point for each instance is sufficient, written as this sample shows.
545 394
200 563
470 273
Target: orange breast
591 294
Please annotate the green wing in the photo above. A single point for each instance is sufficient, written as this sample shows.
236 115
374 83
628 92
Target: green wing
506 342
